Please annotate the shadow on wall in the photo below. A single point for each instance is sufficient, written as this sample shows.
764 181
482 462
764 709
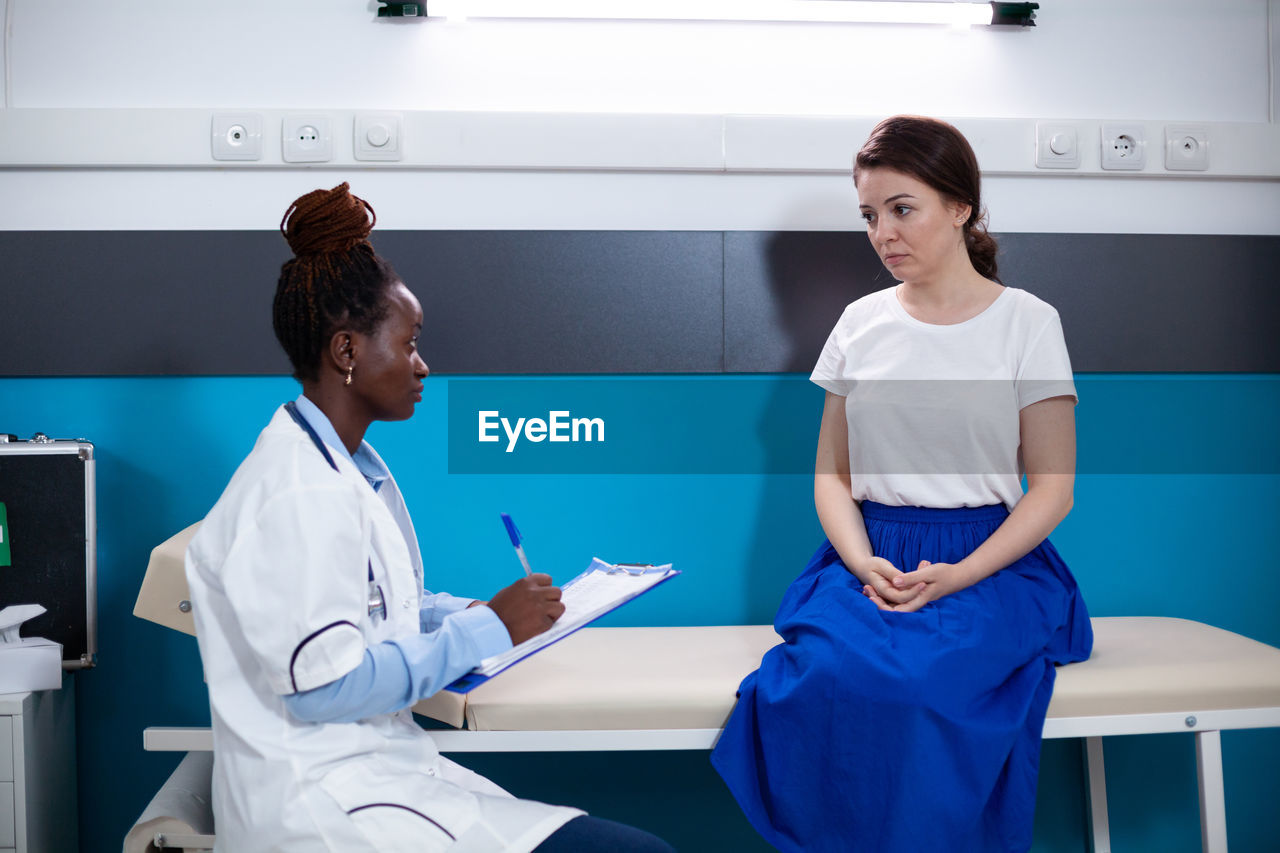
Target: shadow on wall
811 278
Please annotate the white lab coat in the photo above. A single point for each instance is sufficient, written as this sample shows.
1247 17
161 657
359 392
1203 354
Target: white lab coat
279 589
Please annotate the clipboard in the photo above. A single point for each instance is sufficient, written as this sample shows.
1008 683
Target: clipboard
601 589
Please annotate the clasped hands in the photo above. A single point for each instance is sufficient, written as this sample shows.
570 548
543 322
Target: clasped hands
906 592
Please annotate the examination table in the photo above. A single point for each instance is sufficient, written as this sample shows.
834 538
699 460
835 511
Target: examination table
605 689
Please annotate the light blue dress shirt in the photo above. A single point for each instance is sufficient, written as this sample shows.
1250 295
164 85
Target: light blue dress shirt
397 673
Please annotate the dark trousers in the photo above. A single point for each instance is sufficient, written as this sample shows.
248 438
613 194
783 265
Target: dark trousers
588 834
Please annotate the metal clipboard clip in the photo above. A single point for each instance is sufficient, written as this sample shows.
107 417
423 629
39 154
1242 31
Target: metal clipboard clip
633 569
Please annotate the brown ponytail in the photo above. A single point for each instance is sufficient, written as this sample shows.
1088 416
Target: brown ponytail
937 154
982 248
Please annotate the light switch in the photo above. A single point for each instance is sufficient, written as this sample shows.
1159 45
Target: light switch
379 136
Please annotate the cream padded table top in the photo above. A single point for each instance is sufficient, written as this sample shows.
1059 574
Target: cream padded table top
686 678
1153 664
616 678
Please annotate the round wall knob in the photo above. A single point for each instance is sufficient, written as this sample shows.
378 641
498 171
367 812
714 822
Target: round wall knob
378 135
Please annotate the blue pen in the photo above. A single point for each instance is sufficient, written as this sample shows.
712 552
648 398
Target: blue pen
515 542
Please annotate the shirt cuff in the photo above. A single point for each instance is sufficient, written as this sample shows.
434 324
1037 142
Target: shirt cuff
839 387
483 627
1034 390
435 607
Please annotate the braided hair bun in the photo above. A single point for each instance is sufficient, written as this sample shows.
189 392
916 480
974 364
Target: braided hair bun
327 222
335 278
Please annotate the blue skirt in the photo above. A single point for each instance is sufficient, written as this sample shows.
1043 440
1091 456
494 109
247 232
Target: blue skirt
869 730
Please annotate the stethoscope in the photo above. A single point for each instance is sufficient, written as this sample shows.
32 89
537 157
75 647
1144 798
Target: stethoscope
377 601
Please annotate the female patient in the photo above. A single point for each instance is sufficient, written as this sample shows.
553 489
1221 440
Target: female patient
904 710
307 586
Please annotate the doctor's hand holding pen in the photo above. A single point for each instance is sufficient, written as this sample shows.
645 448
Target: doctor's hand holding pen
529 606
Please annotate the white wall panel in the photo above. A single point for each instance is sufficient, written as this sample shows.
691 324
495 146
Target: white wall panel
1273 42
1003 146
1177 59
4 54
190 199
437 140
595 141
1166 60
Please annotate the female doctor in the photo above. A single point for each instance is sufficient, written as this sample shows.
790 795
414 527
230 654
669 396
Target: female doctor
307 589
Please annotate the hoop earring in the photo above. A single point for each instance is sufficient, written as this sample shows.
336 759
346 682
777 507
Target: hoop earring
350 367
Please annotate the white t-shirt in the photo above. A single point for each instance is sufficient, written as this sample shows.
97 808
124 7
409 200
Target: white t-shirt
933 410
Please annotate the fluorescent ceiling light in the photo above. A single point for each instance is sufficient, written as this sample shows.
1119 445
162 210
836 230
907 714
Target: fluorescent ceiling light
833 11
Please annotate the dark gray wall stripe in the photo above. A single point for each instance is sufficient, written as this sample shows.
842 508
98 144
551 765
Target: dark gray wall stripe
784 291
139 302
565 301
199 302
1128 302
1160 302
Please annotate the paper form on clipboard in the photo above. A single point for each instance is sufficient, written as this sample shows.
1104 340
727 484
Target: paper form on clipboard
603 587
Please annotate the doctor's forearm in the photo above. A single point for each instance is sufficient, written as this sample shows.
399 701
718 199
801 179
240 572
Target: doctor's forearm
438 606
379 685
439 658
397 673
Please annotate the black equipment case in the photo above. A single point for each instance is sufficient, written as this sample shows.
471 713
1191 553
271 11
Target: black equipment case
47 489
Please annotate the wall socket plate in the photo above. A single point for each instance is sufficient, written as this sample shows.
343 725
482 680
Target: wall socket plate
379 136
1186 147
236 136
1057 145
1124 146
306 139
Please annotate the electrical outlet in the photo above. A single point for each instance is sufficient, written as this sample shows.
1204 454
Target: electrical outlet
306 139
1124 146
1186 147
1057 146
379 136
236 136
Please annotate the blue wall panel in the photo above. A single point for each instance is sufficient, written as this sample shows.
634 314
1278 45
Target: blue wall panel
1189 534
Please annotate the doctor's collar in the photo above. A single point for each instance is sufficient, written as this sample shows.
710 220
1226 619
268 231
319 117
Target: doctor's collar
365 460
